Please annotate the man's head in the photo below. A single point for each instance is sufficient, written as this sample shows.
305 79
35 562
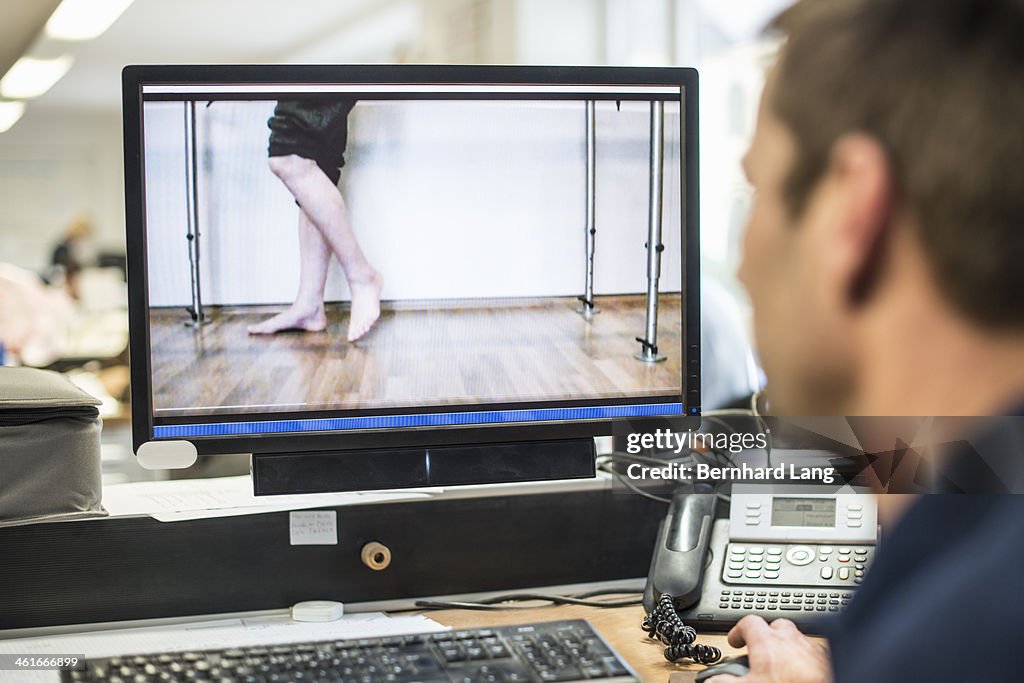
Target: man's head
888 169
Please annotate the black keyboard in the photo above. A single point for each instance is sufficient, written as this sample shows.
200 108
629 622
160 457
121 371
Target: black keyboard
551 651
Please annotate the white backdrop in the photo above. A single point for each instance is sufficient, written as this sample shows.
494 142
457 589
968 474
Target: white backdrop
448 199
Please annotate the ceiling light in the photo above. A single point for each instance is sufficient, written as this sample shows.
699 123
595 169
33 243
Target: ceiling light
10 112
30 77
84 19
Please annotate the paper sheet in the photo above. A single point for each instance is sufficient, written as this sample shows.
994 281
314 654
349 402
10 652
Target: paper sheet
209 635
177 500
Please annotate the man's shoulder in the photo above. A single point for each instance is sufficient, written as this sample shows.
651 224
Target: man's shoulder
946 576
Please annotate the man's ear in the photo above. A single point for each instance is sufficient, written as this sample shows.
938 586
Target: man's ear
863 190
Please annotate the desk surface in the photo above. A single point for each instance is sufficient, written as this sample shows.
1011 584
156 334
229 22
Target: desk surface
619 626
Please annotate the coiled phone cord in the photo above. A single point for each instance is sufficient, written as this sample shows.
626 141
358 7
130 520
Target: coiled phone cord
665 624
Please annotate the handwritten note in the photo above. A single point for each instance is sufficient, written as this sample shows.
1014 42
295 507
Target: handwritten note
313 527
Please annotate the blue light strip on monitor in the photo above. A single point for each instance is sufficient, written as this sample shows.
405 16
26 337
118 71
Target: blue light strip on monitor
329 424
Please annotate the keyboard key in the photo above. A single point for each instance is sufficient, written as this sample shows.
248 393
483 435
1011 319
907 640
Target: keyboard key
453 654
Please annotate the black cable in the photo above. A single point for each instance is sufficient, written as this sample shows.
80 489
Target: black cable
664 624
614 456
604 460
634 488
494 603
763 425
643 459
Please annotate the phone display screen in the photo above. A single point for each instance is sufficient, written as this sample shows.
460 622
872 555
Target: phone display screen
807 512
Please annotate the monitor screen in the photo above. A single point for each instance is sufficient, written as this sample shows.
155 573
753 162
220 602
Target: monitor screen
401 249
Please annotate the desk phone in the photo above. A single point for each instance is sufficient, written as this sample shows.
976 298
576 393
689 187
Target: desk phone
798 552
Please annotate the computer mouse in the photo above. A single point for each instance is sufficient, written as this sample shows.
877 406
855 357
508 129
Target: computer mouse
734 666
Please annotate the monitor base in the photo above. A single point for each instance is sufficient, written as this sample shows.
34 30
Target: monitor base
397 468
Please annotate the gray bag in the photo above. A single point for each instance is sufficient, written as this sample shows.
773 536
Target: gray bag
49 449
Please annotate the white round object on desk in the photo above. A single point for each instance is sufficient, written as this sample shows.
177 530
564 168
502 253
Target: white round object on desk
318 610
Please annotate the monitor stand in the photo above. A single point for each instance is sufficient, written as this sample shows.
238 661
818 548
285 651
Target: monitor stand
415 467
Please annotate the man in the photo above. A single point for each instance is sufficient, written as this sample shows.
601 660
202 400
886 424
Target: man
883 261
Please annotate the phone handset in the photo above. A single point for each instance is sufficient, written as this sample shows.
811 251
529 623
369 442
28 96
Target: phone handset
677 574
680 556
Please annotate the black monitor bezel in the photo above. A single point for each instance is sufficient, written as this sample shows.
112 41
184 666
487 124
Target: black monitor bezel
133 78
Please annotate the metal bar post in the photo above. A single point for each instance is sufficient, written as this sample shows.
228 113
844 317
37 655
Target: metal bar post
195 311
648 352
588 309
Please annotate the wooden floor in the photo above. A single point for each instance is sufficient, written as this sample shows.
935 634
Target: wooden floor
504 351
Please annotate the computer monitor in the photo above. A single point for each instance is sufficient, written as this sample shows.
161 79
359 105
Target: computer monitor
529 236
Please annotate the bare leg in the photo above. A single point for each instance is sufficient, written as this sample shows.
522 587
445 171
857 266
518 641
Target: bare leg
324 206
307 313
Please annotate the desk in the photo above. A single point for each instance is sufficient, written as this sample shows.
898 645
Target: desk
619 626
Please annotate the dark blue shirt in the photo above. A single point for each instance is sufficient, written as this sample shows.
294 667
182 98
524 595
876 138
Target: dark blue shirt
944 598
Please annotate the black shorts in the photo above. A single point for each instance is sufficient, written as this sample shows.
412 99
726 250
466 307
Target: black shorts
315 129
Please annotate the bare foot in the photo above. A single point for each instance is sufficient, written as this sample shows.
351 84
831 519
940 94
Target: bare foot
294 318
365 306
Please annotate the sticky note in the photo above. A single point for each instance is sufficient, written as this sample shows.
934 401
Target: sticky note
313 527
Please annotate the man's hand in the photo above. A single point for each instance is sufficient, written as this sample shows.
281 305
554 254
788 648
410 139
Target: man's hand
778 653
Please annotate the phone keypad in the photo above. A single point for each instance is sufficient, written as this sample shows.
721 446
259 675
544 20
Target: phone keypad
783 601
795 564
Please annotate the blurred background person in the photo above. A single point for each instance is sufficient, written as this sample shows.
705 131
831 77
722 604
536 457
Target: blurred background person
72 253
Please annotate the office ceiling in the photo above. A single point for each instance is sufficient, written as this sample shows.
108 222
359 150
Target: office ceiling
22 21
179 32
242 31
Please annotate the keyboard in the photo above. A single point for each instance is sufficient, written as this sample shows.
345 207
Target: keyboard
550 651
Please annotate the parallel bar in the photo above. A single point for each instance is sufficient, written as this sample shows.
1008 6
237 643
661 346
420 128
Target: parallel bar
588 309
196 317
648 352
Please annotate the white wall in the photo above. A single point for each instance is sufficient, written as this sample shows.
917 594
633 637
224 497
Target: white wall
559 32
449 200
53 166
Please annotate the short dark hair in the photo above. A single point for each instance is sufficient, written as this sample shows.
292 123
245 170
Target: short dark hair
940 85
